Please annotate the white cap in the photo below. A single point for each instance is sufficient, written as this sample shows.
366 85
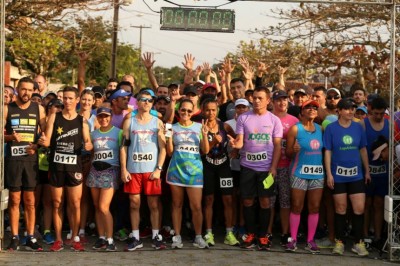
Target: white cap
242 102
335 90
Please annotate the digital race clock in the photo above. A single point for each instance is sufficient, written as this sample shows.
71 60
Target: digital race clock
197 19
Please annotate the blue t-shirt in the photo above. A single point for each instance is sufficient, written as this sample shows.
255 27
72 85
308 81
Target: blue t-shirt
345 145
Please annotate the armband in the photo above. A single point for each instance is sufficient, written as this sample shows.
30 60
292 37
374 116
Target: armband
126 142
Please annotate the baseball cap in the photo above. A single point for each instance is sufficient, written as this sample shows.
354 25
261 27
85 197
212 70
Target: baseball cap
163 97
98 90
149 91
362 108
300 91
242 102
49 93
103 110
335 90
346 104
55 102
209 85
371 97
378 146
36 95
199 83
190 89
279 94
310 102
118 93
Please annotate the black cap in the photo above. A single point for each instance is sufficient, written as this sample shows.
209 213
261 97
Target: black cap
174 84
163 97
279 94
190 89
98 90
55 102
346 104
36 95
371 97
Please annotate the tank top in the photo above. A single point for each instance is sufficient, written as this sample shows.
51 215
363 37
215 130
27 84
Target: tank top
106 145
66 144
377 168
25 122
143 151
218 154
308 163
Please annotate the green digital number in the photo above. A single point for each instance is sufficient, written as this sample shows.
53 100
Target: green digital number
227 19
179 16
168 17
192 20
216 20
203 19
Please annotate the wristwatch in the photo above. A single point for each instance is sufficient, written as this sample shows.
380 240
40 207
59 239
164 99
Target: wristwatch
159 168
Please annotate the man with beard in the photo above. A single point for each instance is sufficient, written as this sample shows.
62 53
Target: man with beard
22 119
333 96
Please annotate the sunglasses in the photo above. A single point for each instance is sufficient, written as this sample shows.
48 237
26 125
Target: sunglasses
311 107
186 111
143 100
336 97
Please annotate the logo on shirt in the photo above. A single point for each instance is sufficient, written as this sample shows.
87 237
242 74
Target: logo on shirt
102 144
347 139
314 144
60 130
259 136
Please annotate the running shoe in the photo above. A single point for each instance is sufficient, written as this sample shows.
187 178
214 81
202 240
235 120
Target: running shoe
284 240
312 247
145 233
166 232
14 244
209 238
158 242
77 246
291 245
231 240
111 247
176 242
133 244
359 249
339 248
100 243
83 239
48 238
200 243
248 241
264 243
325 243
57 246
121 235
33 245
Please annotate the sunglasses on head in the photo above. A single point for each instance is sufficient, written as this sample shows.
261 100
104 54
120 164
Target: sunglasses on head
186 111
149 100
336 97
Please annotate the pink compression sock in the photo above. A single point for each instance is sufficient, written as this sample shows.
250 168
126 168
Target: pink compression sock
294 225
312 226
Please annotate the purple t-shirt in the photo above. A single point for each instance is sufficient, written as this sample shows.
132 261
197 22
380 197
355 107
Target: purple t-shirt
258 132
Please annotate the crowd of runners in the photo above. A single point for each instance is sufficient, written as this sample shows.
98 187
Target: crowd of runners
187 154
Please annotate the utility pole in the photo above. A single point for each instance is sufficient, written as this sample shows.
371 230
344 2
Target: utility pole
140 27
113 72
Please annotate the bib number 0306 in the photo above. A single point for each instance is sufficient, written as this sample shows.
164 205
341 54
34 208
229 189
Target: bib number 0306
256 157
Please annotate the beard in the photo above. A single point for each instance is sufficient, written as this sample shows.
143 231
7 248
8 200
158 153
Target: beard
331 106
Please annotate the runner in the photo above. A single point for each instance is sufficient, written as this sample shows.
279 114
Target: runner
64 134
22 120
103 178
142 157
304 146
259 135
185 171
217 174
345 159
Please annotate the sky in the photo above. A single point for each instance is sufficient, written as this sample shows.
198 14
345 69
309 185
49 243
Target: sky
169 47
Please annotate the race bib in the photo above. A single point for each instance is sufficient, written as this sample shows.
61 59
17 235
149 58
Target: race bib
256 157
19 150
343 171
65 158
188 148
103 155
142 157
311 170
377 169
226 182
